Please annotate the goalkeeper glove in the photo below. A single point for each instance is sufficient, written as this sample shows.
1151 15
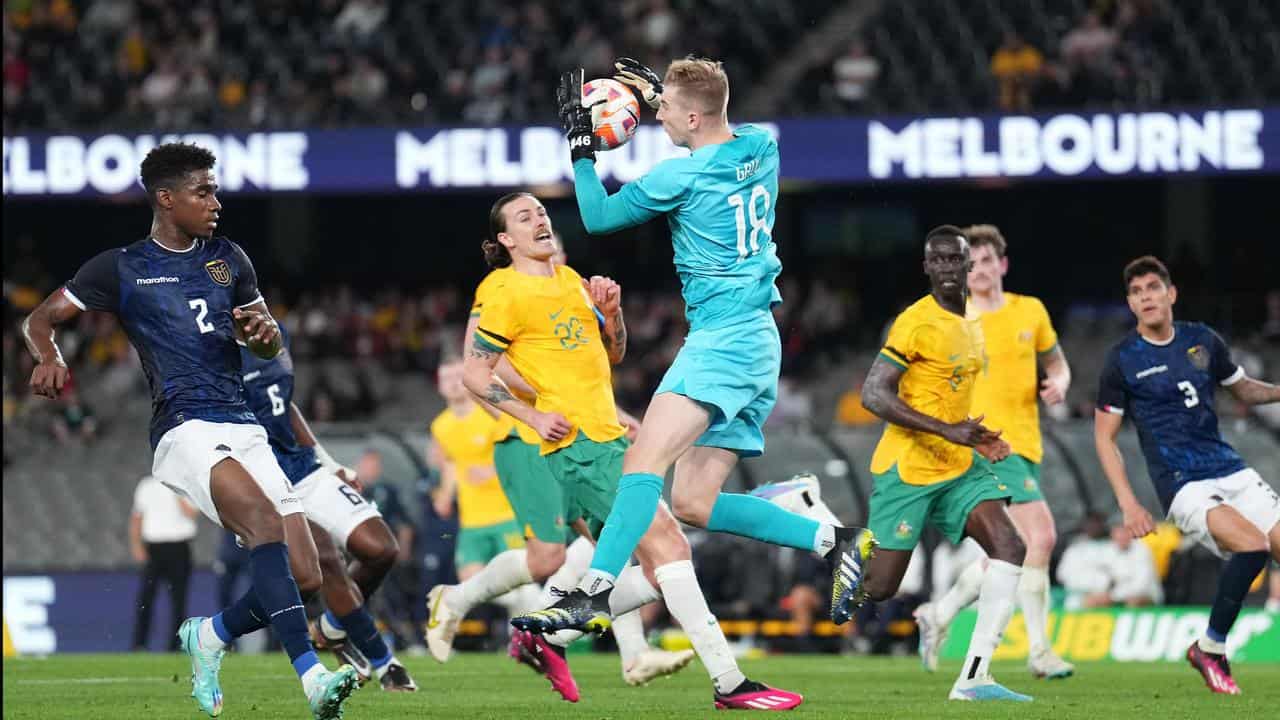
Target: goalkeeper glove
574 118
640 77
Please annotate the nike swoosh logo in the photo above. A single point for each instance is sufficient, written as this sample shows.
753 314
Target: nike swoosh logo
432 622
556 314
953 358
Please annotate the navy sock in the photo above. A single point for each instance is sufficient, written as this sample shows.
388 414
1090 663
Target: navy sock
278 595
362 631
333 619
1233 586
240 618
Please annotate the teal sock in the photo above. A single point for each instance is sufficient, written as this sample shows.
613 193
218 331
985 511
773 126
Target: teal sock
629 519
753 517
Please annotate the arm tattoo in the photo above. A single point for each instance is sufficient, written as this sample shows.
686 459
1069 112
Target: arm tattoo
620 334
482 353
497 393
615 342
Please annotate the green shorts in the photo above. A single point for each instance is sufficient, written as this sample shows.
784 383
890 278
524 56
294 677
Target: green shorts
1021 476
535 494
483 543
899 511
589 472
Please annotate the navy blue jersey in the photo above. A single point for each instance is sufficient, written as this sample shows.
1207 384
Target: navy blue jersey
1168 392
176 309
268 385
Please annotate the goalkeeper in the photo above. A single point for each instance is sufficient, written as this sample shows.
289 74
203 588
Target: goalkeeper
710 406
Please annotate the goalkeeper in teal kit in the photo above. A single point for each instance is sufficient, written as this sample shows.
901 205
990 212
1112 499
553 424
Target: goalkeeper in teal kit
712 403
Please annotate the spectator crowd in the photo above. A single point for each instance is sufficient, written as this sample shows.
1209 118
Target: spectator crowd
231 64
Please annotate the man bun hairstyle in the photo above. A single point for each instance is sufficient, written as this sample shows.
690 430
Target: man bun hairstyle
496 255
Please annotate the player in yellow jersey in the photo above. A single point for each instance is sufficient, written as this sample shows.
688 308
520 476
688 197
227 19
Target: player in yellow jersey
462 440
1021 343
537 501
561 333
933 463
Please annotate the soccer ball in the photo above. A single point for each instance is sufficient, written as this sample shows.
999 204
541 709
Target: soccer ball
616 116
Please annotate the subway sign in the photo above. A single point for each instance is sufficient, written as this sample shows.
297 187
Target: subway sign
1154 634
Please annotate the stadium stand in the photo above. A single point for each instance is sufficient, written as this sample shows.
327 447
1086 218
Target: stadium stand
231 64
937 54
223 64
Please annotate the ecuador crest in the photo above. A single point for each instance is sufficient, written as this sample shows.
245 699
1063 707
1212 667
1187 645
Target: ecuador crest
1199 357
220 271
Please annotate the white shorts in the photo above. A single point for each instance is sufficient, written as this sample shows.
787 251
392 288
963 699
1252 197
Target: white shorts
188 452
1245 491
333 505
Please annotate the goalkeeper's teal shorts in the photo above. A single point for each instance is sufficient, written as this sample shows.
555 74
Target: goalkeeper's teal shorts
733 372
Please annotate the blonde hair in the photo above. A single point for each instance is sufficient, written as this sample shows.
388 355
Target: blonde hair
989 235
703 81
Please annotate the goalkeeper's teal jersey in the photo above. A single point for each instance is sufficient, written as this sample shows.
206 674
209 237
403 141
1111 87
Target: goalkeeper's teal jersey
719 203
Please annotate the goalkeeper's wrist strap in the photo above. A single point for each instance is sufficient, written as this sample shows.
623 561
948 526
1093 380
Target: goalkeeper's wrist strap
582 145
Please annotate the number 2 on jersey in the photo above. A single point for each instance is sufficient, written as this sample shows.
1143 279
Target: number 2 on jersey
758 220
202 311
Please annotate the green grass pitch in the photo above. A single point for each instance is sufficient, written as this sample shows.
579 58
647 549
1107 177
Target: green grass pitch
156 687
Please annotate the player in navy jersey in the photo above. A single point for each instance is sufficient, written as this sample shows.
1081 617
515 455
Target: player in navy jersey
1163 376
186 299
332 502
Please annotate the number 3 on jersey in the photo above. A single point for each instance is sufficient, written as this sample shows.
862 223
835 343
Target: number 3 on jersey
758 220
1192 399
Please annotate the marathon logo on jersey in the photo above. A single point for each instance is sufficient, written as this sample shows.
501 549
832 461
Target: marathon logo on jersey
1151 371
220 271
157 280
1199 357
